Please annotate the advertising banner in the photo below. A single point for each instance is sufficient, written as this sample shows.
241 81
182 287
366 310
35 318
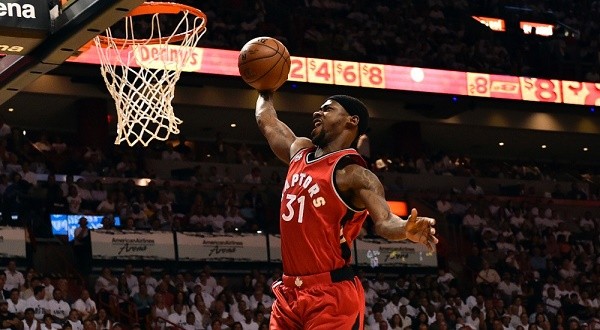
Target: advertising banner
23 25
116 244
381 253
208 247
275 248
12 242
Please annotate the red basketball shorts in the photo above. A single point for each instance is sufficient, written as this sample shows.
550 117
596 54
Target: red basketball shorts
303 304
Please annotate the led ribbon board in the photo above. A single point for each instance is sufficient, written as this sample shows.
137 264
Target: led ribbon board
392 77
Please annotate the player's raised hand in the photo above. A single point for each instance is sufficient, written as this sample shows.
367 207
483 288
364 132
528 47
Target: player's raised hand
420 230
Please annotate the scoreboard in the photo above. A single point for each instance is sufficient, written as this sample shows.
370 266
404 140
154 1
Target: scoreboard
391 77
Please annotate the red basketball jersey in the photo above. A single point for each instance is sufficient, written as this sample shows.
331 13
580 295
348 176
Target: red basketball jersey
312 214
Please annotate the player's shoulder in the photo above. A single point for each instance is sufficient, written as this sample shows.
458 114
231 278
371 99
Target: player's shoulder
299 144
351 175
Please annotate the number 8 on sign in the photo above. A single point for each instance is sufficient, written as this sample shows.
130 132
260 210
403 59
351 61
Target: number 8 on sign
372 75
478 84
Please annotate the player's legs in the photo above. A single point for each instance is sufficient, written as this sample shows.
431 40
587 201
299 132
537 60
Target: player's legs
282 315
338 306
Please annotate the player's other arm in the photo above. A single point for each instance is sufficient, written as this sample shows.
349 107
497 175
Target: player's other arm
366 191
282 140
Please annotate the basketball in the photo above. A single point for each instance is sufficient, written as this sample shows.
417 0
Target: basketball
264 63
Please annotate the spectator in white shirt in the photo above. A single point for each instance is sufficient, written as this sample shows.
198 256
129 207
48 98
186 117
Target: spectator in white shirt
190 322
98 192
74 200
586 223
201 313
132 280
178 317
443 204
444 279
58 308
472 220
552 302
371 295
38 303
108 205
406 320
202 296
508 288
150 280
48 287
14 278
381 286
517 219
104 322
106 282
474 321
488 275
16 305
215 219
30 322
207 282
392 307
235 218
237 310
85 305
248 323
48 323
74 320
260 297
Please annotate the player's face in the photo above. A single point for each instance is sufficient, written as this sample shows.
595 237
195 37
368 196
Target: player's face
328 123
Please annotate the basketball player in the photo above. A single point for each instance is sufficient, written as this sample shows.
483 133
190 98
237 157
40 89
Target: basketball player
327 193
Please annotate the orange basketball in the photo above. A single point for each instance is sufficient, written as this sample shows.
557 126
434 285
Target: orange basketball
264 63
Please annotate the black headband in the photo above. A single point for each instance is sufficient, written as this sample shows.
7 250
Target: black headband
354 107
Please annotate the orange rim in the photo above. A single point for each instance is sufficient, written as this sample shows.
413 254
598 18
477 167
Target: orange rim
151 8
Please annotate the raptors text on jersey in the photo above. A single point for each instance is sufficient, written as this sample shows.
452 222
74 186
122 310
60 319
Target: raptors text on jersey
317 225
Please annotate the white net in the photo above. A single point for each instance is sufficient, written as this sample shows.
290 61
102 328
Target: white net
141 74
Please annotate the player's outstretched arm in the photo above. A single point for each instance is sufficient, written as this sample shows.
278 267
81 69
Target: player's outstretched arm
365 190
282 140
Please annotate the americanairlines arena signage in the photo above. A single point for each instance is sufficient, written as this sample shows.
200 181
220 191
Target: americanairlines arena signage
23 25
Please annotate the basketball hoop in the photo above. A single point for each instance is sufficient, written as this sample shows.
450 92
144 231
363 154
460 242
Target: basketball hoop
140 72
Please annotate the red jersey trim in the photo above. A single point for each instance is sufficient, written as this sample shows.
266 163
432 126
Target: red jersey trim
336 191
328 155
324 158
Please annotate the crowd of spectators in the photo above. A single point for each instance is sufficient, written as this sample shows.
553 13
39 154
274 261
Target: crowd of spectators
531 262
117 181
529 268
434 33
134 300
532 265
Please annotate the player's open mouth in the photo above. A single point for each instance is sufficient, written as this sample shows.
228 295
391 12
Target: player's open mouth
317 122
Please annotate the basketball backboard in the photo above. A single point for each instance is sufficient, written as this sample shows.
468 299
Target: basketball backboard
37 36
